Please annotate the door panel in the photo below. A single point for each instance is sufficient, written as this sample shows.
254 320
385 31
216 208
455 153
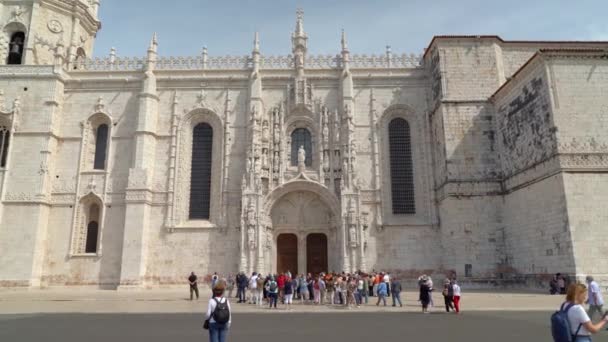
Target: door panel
316 253
287 253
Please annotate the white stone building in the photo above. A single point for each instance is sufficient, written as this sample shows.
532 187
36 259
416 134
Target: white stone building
483 157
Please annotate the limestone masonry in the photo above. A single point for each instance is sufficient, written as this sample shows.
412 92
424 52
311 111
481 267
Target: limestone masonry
482 157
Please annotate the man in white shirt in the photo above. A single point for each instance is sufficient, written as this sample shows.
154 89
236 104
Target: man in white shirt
595 300
387 280
253 286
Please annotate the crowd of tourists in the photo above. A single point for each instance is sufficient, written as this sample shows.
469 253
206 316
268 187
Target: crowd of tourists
570 323
351 290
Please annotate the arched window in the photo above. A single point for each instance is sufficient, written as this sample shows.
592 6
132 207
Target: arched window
200 181
402 173
92 229
301 137
101 144
5 136
15 48
80 58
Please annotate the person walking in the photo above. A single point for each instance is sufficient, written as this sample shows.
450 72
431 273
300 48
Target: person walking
272 288
425 293
361 289
456 294
193 285
230 285
381 292
448 295
580 323
594 295
396 289
218 318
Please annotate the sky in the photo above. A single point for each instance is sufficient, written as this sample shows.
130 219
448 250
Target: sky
227 27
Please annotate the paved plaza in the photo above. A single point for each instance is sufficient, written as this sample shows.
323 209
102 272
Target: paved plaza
168 315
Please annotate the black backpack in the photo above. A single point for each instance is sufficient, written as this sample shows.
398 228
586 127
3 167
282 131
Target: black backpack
221 314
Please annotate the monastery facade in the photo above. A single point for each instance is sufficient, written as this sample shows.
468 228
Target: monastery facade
482 157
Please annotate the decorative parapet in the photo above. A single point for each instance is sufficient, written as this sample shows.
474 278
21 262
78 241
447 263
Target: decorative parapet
204 62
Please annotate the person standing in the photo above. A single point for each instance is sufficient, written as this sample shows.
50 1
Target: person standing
288 292
366 288
322 289
253 288
456 293
193 285
303 285
448 295
387 280
561 283
281 283
240 287
580 324
396 289
272 288
260 289
594 295
330 290
370 284
218 317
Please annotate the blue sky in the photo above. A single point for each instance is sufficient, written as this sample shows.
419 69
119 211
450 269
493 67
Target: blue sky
227 26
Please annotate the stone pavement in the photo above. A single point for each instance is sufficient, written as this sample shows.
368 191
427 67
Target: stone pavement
68 300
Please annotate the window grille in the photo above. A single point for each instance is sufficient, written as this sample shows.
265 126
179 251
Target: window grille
101 144
200 181
402 174
4 142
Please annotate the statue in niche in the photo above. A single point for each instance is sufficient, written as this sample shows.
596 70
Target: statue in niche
265 159
352 233
353 153
254 113
256 165
275 163
265 131
251 215
248 165
337 129
301 157
337 165
268 241
251 237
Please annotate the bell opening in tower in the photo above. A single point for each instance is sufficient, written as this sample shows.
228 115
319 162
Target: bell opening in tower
15 55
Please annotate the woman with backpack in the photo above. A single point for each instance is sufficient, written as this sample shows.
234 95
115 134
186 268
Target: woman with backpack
579 325
218 317
272 288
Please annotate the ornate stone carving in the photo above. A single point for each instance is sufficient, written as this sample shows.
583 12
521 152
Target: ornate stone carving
55 26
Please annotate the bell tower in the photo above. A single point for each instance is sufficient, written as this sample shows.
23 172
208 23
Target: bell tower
30 30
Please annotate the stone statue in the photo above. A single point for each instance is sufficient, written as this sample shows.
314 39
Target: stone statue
265 131
251 237
251 215
265 159
352 233
301 157
248 165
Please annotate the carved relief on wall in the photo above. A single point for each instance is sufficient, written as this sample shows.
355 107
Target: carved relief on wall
301 210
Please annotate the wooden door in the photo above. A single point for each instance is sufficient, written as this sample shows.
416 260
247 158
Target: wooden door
316 253
287 253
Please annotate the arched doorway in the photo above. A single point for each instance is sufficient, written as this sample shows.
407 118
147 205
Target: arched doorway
316 253
287 253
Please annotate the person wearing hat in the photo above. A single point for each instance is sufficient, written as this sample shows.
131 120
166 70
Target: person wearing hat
425 293
448 295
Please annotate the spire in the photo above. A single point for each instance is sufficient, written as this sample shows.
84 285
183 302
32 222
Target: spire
256 42
299 25
153 43
344 43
